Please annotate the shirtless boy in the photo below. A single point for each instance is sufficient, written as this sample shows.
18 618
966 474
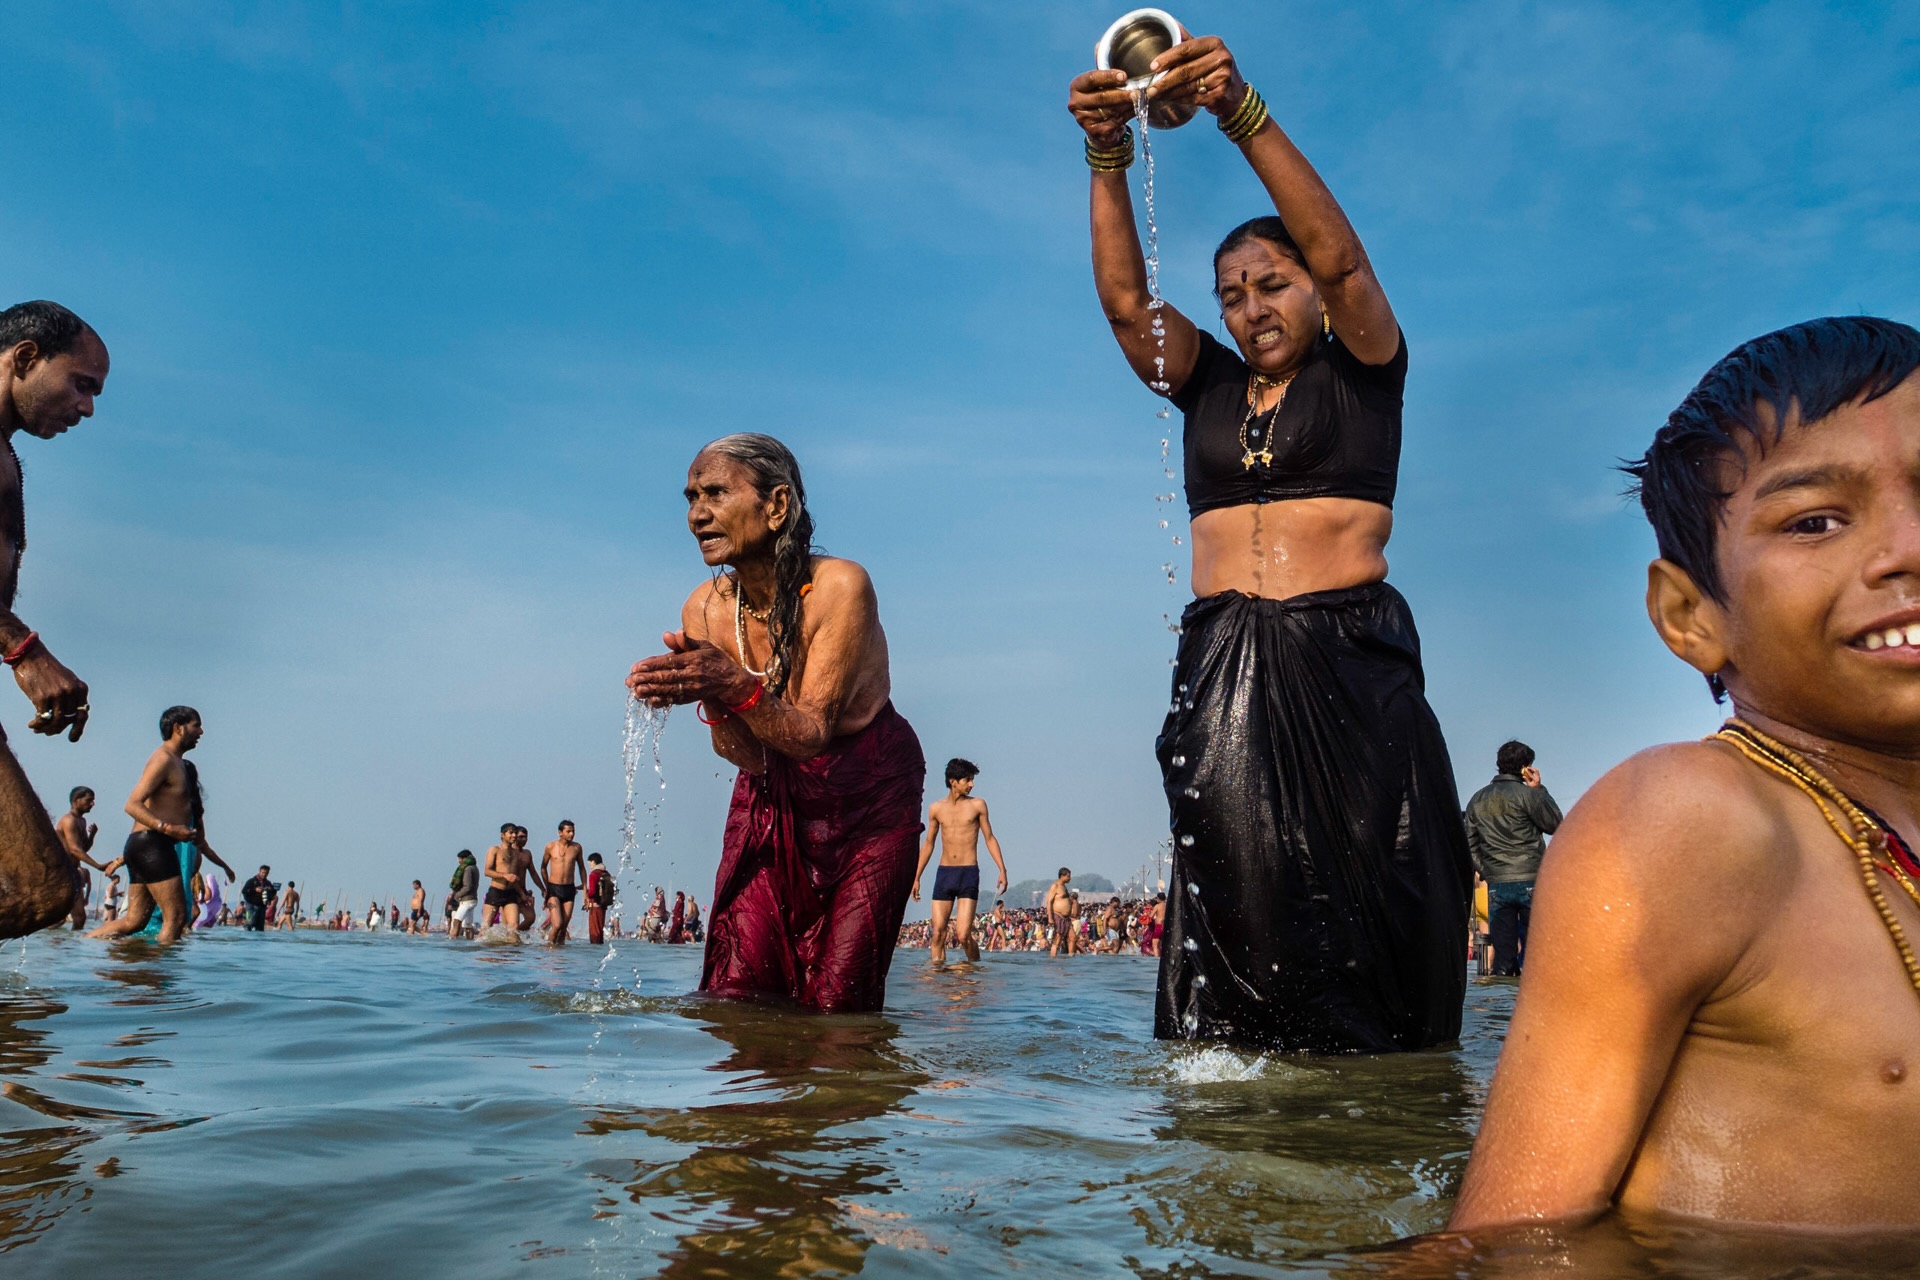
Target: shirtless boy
169 833
1676 1048
418 921
1060 909
507 866
563 873
77 836
289 916
957 822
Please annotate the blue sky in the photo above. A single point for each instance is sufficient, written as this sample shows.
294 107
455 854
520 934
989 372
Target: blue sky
418 312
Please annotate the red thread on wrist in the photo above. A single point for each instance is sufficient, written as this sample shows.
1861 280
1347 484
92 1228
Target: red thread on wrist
753 700
20 650
700 714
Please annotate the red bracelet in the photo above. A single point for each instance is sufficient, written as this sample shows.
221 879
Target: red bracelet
753 700
700 714
20 650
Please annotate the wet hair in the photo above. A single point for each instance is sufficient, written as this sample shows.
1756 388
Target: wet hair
1065 871
1512 757
1814 367
1268 228
520 831
78 793
773 465
416 884
173 717
507 828
958 769
47 325
566 822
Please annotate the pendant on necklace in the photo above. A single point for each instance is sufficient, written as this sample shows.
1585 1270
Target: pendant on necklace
1264 458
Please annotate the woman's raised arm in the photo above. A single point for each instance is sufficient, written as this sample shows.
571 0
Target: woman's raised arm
1101 104
1202 71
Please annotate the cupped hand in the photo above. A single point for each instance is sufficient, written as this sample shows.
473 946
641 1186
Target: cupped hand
1199 71
689 671
1101 105
58 695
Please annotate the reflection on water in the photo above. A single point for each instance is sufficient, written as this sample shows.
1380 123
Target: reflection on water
771 1170
388 1105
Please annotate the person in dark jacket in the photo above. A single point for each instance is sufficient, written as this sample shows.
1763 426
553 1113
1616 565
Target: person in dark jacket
1508 822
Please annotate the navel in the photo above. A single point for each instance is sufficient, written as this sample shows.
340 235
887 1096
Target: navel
1894 1072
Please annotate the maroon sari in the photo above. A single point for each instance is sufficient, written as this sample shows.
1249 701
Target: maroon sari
815 874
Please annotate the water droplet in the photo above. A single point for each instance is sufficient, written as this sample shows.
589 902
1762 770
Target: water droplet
1178 761
1186 842
1183 686
1193 888
1276 968
1163 524
1191 1022
1199 979
1192 793
1191 945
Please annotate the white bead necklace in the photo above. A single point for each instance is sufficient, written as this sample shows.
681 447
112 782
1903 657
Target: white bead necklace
740 631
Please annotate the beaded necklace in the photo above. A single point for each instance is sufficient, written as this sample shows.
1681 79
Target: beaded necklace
1863 833
1265 455
740 630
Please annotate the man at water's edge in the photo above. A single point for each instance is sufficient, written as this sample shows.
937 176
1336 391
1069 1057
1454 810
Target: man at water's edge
52 365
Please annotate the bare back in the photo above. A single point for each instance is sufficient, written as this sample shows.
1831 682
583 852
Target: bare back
959 823
165 790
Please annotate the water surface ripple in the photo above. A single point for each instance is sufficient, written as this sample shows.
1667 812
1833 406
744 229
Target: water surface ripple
318 1105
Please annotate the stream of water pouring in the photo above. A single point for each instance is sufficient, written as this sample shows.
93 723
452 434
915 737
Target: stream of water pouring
639 744
1155 305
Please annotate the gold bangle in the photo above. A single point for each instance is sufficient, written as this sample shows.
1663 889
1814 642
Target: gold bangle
1111 159
1248 118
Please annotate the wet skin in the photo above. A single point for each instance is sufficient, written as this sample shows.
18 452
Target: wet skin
1714 1021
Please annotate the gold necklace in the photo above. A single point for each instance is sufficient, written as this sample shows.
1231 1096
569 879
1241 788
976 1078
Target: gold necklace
1860 834
1265 456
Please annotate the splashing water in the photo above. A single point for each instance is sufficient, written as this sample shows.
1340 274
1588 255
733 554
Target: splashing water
1156 304
1218 1064
639 740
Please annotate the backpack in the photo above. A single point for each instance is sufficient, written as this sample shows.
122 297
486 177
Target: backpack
600 888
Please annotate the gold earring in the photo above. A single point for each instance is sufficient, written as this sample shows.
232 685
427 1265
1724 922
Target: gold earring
1326 325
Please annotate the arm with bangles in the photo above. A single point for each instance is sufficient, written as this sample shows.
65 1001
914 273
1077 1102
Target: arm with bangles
59 697
1201 72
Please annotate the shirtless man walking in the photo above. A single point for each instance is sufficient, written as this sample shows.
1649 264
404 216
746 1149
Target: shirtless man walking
289 908
77 836
52 365
507 866
1059 906
562 871
958 822
418 921
169 833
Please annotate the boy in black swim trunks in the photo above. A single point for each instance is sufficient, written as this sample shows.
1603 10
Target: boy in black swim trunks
960 820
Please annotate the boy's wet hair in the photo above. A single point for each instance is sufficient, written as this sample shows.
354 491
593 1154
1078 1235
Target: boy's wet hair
1812 368
958 769
1513 756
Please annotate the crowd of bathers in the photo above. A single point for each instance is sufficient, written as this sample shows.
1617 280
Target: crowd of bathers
1115 927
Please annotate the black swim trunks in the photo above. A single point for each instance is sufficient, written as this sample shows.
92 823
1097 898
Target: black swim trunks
150 858
956 882
561 892
497 897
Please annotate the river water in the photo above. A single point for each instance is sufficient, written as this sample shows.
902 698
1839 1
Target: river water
344 1105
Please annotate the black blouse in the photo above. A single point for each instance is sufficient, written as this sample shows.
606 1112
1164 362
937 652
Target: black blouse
1337 434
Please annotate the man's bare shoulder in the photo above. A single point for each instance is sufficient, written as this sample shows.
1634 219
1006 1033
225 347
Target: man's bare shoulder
1693 812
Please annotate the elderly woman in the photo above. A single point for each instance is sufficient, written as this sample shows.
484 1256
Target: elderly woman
784 653
1320 867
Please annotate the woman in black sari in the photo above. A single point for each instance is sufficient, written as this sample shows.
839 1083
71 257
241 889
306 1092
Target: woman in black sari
1321 875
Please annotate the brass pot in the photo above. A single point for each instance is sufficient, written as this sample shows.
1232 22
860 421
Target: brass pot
1130 45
